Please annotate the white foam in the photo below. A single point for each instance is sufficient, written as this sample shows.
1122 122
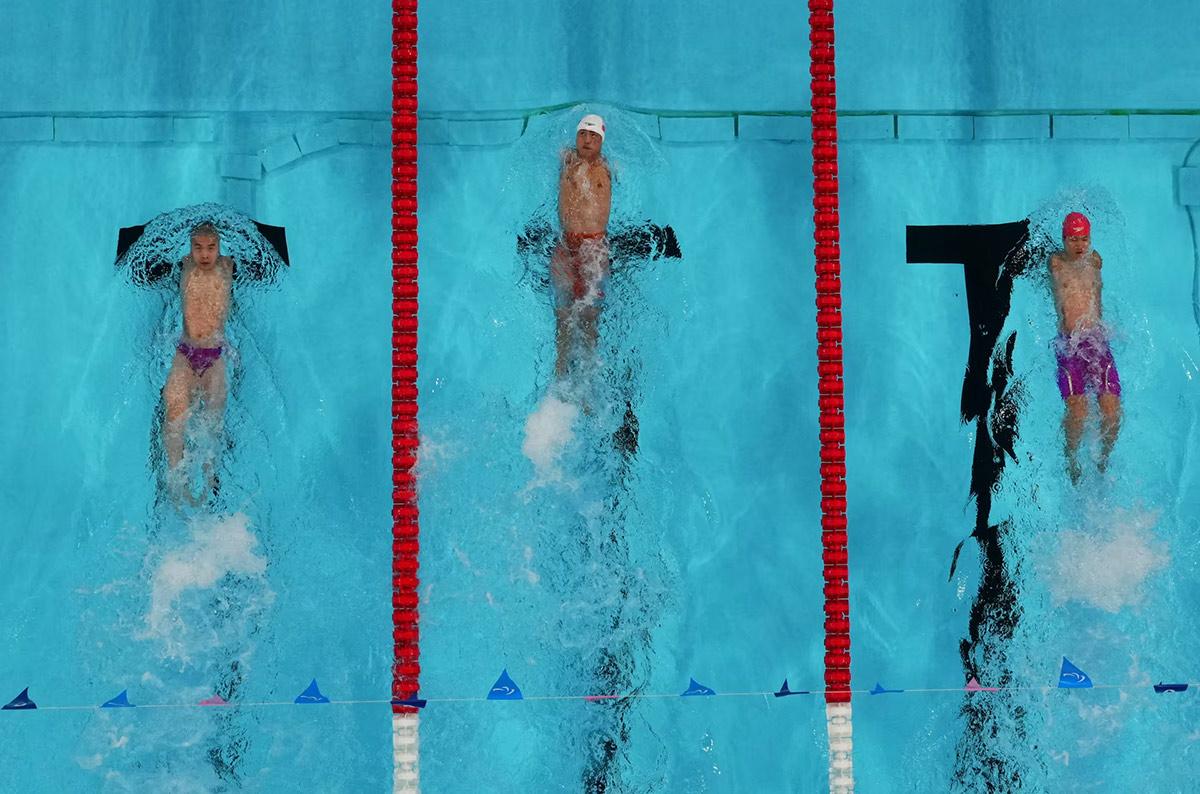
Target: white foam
1105 563
217 547
433 454
531 576
547 433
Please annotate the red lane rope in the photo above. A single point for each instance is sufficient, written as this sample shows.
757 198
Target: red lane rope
406 667
829 353
405 437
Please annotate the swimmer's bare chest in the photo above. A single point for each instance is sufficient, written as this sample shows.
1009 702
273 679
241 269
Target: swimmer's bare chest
1077 288
206 296
584 197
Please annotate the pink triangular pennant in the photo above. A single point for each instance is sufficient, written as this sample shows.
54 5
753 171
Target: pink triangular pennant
973 686
215 700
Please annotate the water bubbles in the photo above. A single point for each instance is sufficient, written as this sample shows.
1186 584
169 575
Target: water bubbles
206 587
547 433
1105 563
166 239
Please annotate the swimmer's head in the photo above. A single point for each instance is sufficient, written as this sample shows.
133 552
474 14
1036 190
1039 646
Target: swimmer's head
206 244
1077 233
589 136
205 229
1076 224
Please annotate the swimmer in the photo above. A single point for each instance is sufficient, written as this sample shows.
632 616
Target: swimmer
580 263
1085 361
197 374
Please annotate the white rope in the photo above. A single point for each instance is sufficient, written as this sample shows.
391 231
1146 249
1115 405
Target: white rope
406 754
839 729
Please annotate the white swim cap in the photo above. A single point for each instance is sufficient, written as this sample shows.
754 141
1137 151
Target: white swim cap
592 122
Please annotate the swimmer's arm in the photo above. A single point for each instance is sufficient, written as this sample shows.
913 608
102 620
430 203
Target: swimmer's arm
1098 260
565 158
230 268
1056 266
604 186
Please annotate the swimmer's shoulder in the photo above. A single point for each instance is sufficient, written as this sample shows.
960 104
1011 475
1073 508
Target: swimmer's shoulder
1056 261
602 170
1096 260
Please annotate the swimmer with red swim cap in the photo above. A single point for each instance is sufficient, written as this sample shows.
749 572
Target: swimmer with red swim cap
580 263
1085 360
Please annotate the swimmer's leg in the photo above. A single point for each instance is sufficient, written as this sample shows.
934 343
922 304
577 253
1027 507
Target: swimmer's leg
176 398
589 321
1073 420
177 394
562 278
594 264
586 324
1110 426
563 334
214 386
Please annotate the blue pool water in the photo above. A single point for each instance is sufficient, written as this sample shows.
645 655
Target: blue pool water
552 547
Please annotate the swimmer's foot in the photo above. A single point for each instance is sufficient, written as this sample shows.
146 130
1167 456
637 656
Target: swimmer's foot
182 496
179 491
1073 471
212 483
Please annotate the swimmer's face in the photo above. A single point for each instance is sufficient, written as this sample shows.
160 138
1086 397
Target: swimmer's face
1077 244
588 143
205 250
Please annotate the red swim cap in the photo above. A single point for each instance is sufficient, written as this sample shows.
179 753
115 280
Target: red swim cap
1076 224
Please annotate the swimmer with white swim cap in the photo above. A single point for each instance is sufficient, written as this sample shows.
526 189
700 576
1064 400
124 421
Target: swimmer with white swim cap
580 263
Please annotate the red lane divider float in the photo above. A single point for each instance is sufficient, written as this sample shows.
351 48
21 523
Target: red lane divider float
829 353
406 666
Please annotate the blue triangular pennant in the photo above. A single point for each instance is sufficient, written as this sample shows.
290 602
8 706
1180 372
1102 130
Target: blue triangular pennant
1072 677
784 691
505 688
312 694
121 701
879 689
20 702
412 701
696 689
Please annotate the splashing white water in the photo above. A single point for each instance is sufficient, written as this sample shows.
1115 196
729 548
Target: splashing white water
217 548
547 433
1105 564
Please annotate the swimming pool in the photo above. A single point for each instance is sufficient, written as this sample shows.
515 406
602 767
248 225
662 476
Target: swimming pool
553 547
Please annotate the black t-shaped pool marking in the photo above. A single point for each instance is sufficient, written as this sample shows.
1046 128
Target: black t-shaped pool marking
992 256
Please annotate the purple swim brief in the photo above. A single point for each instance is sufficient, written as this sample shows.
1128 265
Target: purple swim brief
199 358
1085 362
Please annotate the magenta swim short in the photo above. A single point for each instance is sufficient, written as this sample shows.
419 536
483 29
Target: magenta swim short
1085 362
199 358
